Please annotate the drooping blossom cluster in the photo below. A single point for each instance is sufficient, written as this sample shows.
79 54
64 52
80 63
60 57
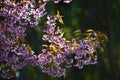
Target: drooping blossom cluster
62 54
56 57
14 53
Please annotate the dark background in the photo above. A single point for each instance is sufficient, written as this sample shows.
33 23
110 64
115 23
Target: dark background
99 15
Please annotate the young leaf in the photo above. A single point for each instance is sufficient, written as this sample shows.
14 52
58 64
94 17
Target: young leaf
59 17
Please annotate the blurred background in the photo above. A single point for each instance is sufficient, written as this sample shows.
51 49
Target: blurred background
99 15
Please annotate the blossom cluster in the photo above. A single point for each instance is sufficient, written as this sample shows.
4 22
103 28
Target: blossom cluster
26 14
61 54
56 57
14 52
